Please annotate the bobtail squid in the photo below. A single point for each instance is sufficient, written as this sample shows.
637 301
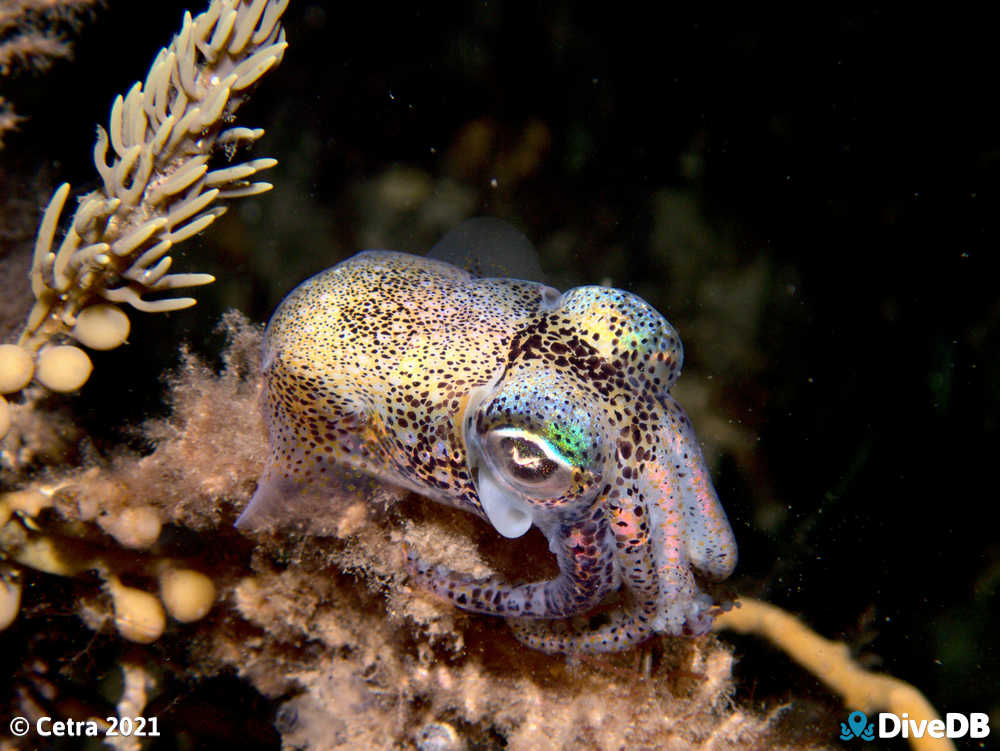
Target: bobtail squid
520 404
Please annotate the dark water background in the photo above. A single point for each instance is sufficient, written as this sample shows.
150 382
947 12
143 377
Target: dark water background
812 200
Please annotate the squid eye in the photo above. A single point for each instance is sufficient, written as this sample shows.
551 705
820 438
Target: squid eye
528 462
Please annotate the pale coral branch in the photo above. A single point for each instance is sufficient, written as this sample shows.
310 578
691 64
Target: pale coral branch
153 159
831 662
158 190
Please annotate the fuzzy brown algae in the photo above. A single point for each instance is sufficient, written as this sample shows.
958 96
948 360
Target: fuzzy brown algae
518 403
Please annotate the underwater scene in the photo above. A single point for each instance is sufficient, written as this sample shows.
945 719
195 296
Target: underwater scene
470 376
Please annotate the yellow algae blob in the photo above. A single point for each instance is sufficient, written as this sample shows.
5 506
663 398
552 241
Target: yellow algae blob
16 368
63 368
139 616
135 528
41 553
101 326
10 597
188 595
30 502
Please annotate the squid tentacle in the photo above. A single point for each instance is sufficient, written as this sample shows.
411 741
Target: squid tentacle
711 547
625 627
586 559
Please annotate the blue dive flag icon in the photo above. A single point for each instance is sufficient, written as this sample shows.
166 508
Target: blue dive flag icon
857 726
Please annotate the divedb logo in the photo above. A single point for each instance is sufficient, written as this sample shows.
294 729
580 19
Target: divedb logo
889 725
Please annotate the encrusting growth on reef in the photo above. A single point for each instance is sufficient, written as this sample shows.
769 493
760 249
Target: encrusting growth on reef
330 625
158 190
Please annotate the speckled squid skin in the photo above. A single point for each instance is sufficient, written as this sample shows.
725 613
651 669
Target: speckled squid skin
556 406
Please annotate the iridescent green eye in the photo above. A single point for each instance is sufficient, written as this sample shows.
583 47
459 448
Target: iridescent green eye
528 462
